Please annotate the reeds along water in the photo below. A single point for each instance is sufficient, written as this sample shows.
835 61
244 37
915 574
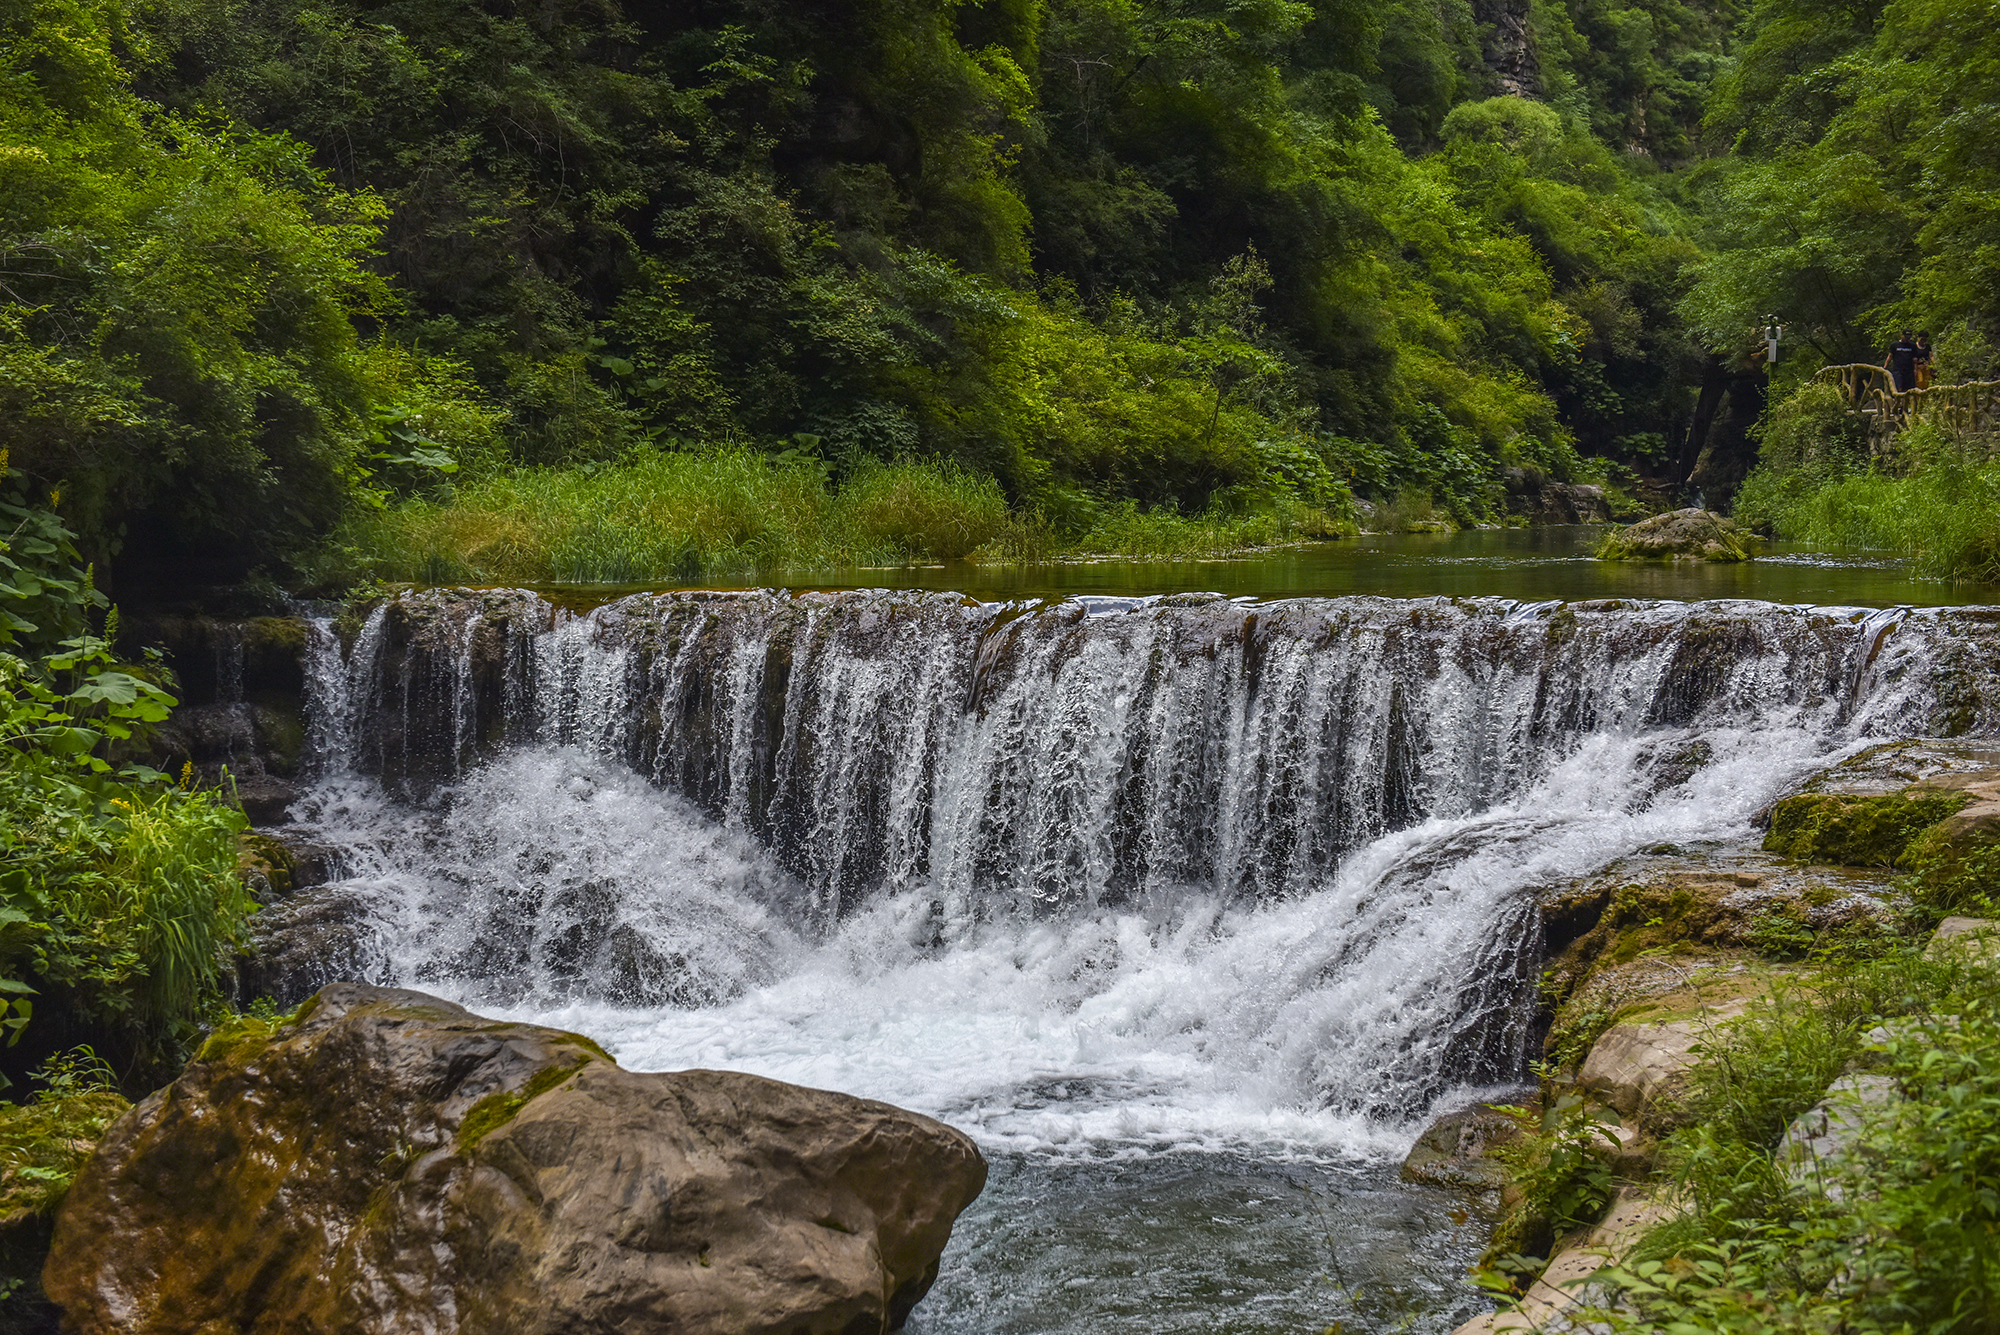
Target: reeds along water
1234 857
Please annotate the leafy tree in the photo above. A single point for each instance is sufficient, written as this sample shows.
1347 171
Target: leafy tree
177 333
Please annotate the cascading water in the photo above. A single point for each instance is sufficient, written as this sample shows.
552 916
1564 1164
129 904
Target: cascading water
1108 876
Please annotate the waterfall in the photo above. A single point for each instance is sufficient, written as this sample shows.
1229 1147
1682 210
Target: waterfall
1209 867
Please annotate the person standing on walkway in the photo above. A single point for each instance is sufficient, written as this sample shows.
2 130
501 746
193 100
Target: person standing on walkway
1924 359
1902 363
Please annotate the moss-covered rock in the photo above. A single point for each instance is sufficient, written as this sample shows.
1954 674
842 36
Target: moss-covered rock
267 866
1856 831
388 1162
1679 535
1456 1149
1957 860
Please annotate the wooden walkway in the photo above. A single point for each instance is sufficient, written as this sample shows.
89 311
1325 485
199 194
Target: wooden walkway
1962 408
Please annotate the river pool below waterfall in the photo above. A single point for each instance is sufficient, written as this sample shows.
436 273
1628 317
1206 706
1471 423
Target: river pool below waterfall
1190 910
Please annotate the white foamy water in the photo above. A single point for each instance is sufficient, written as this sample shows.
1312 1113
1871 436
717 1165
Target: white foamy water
1095 878
1323 1022
1115 886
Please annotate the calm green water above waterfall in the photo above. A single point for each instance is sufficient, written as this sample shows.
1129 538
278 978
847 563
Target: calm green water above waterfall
1531 564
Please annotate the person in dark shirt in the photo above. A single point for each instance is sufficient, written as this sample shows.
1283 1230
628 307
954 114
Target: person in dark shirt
1902 363
1924 356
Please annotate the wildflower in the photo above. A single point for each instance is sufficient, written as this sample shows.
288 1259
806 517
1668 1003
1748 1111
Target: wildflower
187 775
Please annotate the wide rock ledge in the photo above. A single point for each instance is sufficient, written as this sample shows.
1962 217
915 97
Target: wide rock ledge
393 1163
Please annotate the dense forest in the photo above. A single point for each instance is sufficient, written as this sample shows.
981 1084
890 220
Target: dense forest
312 290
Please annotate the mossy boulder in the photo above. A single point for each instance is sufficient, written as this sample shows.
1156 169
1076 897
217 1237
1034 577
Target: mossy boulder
267 866
388 1162
1856 831
1957 860
1679 535
1945 829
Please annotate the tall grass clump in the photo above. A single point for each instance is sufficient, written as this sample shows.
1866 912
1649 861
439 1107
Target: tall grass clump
1946 518
1934 497
680 516
663 517
660 516
934 510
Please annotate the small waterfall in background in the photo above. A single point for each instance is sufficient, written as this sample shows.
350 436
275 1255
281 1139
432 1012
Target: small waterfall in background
1152 872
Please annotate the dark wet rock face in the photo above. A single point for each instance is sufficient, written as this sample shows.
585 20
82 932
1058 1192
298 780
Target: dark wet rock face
393 1163
1680 535
301 944
241 720
1556 502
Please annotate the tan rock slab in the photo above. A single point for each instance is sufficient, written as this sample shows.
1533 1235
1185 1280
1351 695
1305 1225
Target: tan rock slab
1564 1285
1639 1068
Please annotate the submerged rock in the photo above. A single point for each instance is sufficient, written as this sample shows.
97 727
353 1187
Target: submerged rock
1679 535
389 1162
1454 1151
1565 1285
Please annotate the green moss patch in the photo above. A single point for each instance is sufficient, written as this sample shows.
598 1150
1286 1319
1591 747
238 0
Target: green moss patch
252 1029
1856 831
496 1110
259 855
1957 872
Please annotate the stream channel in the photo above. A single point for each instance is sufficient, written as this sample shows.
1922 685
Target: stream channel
1190 908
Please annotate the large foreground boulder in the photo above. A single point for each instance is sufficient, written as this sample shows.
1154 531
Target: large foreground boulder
391 1163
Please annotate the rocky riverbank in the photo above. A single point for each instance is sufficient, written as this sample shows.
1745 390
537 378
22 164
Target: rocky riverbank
1658 965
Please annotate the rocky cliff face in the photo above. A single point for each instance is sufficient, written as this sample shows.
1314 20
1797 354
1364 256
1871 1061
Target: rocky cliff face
393 1163
1509 47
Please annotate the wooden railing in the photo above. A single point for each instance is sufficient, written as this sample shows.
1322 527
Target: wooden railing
1963 408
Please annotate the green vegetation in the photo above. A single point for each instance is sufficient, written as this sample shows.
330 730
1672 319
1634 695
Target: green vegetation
1167 278
1933 495
1895 1233
1560 1174
658 517
330 290
44 1142
119 890
1945 517
1856 831
496 1110
1859 201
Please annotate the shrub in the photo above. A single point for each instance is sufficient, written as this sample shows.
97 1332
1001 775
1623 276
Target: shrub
1904 1237
119 893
